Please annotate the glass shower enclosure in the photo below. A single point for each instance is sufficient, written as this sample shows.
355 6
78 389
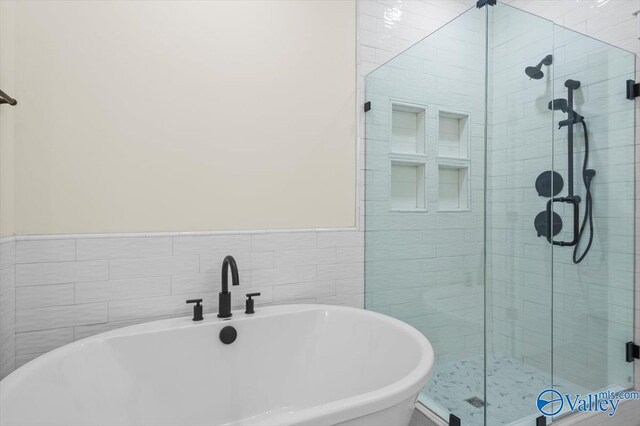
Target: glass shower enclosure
499 211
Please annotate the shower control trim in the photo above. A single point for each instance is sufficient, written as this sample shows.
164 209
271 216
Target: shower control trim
633 89
575 201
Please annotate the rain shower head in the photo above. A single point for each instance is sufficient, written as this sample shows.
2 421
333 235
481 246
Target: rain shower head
536 72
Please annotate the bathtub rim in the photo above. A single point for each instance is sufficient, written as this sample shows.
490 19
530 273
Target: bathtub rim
330 412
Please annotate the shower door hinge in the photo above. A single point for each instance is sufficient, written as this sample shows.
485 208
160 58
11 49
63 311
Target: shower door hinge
454 420
633 89
367 106
633 351
481 3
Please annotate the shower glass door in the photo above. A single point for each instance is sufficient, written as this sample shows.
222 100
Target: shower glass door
593 299
469 211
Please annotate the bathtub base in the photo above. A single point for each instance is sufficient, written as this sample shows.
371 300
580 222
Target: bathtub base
396 415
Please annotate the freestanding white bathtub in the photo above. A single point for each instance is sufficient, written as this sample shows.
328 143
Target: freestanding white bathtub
290 365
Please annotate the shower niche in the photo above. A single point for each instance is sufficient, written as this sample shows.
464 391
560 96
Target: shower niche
408 157
453 161
408 130
408 185
453 186
453 134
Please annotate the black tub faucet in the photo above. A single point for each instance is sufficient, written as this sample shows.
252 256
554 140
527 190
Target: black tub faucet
224 297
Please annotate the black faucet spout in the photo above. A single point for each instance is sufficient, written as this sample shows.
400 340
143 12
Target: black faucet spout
224 297
229 262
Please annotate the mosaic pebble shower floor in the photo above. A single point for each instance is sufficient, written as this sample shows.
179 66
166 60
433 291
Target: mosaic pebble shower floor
513 388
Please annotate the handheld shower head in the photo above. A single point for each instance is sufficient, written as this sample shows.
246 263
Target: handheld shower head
559 105
536 71
572 84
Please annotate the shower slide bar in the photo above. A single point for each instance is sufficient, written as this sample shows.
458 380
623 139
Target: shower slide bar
6 99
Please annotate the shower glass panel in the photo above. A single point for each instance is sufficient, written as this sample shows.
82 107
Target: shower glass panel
519 272
469 210
425 204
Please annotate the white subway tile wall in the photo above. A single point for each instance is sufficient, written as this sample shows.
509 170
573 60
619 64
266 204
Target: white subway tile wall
7 306
386 28
413 270
55 291
401 251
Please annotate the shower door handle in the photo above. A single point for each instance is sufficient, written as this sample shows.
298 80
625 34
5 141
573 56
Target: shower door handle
575 201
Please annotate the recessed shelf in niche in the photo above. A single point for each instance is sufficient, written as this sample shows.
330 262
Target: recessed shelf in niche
407 186
453 134
453 186
407 128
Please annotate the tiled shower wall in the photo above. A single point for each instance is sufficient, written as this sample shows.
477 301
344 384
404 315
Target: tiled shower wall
518 263
73 287
426 267
386 28
396 277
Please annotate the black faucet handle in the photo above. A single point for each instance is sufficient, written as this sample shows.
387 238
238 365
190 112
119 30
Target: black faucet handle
249 307
197 309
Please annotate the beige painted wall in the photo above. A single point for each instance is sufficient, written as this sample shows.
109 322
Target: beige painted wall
179 116
7 118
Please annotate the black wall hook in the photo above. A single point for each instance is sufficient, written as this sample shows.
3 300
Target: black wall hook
6 99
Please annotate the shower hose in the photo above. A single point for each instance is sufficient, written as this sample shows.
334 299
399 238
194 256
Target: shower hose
587 176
